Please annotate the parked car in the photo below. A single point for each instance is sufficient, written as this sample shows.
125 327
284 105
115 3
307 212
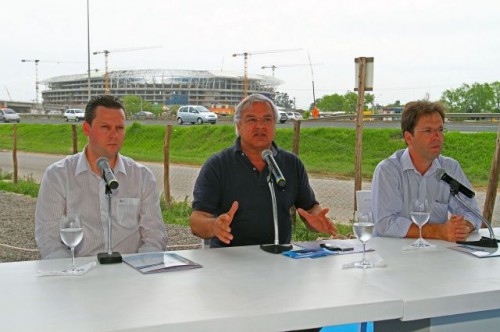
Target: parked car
9 115
54 112
294 116
282 118
195 114
74 114
144 115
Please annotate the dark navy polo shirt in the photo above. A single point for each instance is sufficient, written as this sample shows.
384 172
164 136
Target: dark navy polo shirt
229 176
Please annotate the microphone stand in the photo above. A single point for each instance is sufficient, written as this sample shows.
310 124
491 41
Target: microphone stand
109 257
276 247
484 242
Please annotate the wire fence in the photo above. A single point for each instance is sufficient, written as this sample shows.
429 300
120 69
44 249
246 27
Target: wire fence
177 181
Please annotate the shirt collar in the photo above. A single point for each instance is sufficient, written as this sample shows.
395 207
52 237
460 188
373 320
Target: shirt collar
407 164
237 147
83 164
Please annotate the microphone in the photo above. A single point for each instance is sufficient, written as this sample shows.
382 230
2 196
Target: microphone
490 244
267 155
454 184
107 172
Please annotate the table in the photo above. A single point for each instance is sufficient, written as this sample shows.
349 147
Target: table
238 289
441 289
247 289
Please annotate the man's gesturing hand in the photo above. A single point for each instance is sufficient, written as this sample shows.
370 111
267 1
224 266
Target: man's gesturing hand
221 225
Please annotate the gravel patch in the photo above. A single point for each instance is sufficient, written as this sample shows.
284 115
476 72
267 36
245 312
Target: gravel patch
17 229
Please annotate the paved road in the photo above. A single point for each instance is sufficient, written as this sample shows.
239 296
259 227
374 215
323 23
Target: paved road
336 194
463 126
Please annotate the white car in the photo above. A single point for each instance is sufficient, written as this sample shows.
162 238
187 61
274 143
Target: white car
294 116
74 114
195 114
9 115
283 117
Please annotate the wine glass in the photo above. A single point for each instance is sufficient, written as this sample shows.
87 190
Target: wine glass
420 214
363 228
71 234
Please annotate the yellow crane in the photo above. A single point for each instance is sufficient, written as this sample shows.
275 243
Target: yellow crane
106 52
245 64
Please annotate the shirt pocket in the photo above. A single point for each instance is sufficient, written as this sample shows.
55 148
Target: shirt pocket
128 212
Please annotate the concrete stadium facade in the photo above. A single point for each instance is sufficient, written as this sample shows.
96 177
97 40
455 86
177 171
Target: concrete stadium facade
159 86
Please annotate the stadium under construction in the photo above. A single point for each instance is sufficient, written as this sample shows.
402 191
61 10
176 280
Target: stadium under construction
213 89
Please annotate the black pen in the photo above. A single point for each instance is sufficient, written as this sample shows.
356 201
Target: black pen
332 247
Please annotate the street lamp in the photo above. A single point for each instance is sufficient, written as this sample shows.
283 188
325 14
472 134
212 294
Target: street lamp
88 49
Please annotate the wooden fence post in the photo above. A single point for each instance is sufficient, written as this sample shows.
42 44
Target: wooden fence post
295 150
491 191
296 137
14 151
359 127
75 138
166 166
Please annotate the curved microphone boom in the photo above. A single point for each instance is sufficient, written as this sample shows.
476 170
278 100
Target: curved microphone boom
268 157
455 188
107 172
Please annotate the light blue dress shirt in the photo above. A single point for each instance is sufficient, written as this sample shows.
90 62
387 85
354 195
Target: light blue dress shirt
70 187
396 184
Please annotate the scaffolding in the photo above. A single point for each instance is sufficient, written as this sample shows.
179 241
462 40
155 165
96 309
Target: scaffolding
158 86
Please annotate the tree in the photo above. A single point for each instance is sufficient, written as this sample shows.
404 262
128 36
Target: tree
331 103
341 103
134 104
471 99
350 102
283 100
495 86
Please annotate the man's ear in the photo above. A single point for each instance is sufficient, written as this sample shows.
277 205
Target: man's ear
408 137
86 128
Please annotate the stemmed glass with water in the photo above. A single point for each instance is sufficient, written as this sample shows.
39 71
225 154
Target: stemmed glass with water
420 214
363 228
71 234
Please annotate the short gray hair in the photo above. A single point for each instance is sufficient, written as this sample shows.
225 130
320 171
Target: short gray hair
249 100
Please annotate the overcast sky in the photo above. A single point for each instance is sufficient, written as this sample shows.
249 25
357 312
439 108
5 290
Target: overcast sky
420 47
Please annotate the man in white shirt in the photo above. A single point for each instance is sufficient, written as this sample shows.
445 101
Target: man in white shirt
410 174
75 185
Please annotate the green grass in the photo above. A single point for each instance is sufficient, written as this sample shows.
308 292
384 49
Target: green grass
324 151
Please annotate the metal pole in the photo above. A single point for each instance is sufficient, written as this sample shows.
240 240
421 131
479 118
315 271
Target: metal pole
88 50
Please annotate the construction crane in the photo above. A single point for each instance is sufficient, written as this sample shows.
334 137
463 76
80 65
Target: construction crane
273 67
36 77
106 52
8 93
245 64
36 61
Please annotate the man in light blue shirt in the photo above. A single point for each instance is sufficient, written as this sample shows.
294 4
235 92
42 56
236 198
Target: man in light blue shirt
410 174
75 185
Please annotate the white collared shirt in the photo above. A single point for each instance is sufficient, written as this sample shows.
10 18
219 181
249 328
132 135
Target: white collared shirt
70 187
397 183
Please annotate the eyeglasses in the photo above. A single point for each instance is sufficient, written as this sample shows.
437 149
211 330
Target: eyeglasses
430 132
251 120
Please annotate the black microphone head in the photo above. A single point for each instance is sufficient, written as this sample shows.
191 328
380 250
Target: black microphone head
101 162
266 153
440 173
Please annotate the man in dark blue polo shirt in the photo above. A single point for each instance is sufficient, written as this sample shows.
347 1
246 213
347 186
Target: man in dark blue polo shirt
232 203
